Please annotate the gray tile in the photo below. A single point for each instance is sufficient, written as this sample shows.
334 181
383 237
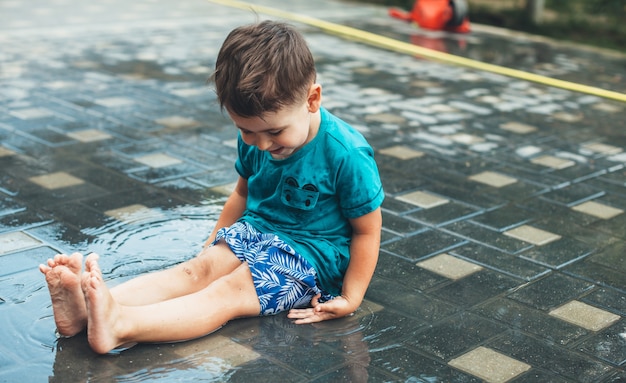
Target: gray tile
490 365
453 336
488 237
551 291
424 244
520 317
475 288
501 262
561 361
584 315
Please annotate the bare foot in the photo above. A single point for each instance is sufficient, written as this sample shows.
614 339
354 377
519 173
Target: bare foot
102 310
63 275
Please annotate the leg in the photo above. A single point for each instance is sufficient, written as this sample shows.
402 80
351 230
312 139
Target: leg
185 278
111 324
68 303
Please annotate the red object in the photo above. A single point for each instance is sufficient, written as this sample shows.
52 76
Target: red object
448 15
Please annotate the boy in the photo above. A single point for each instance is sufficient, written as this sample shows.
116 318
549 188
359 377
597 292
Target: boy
300 232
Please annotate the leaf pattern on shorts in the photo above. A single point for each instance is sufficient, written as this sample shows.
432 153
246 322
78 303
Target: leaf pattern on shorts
282 278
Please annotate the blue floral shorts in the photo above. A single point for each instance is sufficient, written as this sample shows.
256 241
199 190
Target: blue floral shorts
283 278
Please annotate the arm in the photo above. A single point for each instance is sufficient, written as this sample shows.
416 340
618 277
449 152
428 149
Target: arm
233 208
364 249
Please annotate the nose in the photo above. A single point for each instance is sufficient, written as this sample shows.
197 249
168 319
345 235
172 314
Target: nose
263 142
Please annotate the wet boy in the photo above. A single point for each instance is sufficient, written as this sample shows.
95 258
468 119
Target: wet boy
300 232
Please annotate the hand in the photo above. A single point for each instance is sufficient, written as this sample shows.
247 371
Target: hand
335 308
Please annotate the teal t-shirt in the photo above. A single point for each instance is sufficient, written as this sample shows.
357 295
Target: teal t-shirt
308 198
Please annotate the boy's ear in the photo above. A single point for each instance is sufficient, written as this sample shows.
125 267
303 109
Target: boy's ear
314 99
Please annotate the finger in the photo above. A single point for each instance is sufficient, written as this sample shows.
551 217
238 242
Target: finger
316 300
299 313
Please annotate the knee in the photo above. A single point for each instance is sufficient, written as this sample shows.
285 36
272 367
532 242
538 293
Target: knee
194 269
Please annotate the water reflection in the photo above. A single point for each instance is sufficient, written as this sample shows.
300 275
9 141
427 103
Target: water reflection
145 239
254 349
244 350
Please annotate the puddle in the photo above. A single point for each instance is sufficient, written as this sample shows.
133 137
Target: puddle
150 239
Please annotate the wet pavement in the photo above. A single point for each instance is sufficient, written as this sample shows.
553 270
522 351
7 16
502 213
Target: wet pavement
504 226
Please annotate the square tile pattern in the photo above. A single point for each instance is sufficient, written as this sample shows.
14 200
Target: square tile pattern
489 365
493 179
452 299
584 315
449 266
423 199
56 180
532 235
597 209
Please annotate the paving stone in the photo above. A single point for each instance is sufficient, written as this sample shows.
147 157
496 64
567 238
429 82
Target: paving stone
177 122
449 266
422 199
601 148
553 162
133 213
607 344
551 291
89 135
503 218
558 254
573 194
423 245
114 102
488 237
475 288
493 179
584 315
598 209
501 262
15 241
402 152
444 214
453 335
489 365
56 180
4 152
522 318
541 354
518 127
32 113
532 235
158 160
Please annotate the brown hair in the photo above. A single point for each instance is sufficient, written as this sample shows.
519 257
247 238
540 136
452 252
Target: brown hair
261 68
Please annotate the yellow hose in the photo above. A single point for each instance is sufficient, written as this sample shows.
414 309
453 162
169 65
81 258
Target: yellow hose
402 47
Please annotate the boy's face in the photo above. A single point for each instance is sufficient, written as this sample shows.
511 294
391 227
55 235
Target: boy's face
284 132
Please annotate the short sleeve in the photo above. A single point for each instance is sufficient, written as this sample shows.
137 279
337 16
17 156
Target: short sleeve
245 160
359 185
